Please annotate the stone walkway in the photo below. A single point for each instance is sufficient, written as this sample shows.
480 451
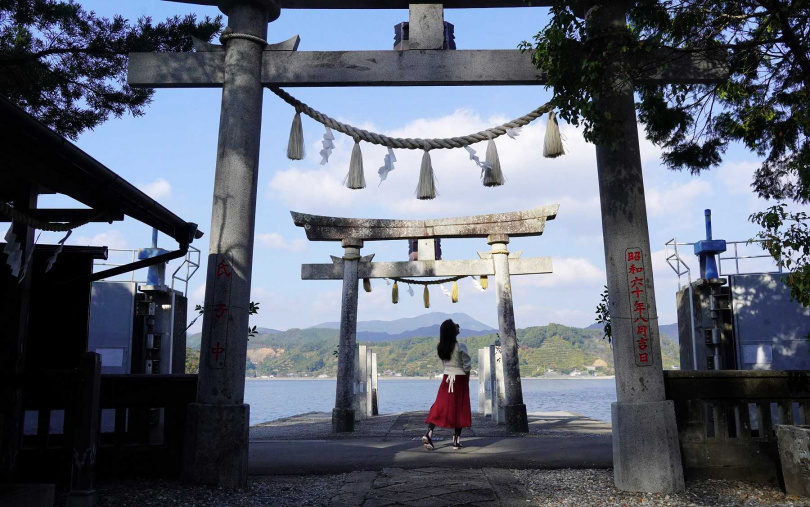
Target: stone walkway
305 445
409 425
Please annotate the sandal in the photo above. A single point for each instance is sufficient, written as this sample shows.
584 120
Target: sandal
427 441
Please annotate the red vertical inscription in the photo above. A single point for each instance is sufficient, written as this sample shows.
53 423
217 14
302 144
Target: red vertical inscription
637 290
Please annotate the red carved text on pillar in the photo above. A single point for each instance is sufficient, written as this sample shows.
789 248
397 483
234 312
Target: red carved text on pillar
637 292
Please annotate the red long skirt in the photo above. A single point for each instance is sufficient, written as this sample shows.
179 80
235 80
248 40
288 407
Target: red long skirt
452 409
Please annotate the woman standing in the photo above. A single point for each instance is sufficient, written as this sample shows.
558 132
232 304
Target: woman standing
452 406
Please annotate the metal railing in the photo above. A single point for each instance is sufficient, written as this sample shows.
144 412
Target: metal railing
133 254
191 267
678 265
736 257
681 268
191 263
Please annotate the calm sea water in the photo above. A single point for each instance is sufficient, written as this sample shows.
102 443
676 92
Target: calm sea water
274 399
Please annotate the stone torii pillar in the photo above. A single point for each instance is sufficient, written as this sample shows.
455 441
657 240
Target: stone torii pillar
515 409
343 413
646 450
216 446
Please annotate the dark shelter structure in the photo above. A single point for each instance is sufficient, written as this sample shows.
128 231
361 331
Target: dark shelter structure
45 303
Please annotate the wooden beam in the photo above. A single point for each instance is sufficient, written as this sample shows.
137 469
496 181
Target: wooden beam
387 4
341 68
422 269
517 223
71 215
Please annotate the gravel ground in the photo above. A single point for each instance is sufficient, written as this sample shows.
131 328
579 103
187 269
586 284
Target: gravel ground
595 487
545 487
275 491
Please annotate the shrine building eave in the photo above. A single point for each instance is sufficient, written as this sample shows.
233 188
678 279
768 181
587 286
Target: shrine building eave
515 224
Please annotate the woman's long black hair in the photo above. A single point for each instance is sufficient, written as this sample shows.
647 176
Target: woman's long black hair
447 339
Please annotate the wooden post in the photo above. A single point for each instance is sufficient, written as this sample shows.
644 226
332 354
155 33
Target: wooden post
14 312
85 432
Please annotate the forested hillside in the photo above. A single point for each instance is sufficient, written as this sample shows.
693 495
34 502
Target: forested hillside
543 349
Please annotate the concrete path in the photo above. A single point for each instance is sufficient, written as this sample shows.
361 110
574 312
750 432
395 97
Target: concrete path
304 445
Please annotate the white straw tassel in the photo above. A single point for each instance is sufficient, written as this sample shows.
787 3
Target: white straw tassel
295 147
356 179
426 189
493 176
552 145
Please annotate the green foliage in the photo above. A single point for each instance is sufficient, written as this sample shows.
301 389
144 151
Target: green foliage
192 361
603 315
763 103
309 352
67 67
786 237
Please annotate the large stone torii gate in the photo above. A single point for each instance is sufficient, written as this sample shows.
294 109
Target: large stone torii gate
496 228
645 443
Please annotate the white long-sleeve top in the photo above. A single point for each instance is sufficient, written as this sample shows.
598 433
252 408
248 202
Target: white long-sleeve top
459 363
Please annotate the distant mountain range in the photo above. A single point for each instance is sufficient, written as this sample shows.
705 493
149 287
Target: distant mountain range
422 325
409 348
671 330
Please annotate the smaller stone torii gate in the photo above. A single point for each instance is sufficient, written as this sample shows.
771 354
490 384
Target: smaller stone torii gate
496 228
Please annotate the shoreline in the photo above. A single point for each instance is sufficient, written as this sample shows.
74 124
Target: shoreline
286 379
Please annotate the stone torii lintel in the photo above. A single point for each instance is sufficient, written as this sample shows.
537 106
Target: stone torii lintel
517 223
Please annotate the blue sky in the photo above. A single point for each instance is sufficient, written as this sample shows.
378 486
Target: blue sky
170 153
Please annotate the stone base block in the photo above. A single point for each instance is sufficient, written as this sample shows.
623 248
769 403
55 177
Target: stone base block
516 418
646 451
794 453
82 499
27 495
216 445
342 420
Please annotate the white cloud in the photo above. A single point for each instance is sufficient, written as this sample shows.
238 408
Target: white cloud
672 199
112 238
158 189
199 294
275 241
737 176
568 272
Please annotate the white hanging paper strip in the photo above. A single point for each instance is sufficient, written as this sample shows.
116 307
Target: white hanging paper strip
513 133
477 284
13 251
410 290
483 165
388 165
328 145
446 292
52 259
28 258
